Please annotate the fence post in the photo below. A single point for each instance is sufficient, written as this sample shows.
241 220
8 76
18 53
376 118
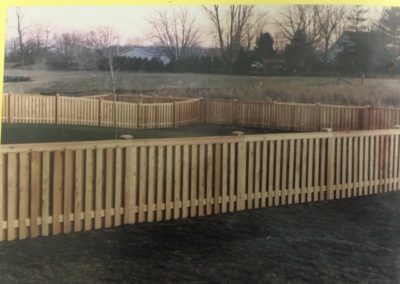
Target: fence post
241 171
56 101
330 162
365 118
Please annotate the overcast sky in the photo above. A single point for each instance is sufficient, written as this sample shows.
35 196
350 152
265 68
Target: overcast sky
129 21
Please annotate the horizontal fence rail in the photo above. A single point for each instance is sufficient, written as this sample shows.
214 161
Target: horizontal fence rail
48 189
133 111
133 98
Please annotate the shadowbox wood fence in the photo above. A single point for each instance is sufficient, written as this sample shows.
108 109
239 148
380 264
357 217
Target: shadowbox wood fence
141 112
48 189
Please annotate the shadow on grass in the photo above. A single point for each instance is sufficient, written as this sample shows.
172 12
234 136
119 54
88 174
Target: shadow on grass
36 133
344 241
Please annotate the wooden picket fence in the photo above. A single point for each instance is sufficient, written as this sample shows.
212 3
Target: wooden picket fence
48 189
294 116
165 112
145 112
187 112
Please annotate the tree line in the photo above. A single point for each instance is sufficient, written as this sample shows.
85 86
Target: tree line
300 44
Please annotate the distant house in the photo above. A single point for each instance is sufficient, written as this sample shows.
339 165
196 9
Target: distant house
358 51
146 52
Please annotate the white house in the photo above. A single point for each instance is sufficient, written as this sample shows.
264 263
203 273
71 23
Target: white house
146 52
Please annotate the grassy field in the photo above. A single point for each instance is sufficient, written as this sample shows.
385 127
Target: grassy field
30 133
378 92
343 241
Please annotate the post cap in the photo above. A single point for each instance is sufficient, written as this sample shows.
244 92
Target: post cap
238 133
326 129
126 136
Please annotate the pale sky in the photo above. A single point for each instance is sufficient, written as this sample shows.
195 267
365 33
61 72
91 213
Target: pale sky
129 21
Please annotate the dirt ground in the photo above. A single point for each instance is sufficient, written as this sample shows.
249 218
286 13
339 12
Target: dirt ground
343 241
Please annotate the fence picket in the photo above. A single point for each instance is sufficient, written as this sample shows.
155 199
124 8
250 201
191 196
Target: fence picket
57 191
35 193
78 187
89 163
45 197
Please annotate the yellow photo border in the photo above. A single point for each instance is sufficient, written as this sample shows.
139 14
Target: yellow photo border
5 4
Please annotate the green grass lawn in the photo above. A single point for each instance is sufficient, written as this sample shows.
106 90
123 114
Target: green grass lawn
352 240
86 81
31 133
374 91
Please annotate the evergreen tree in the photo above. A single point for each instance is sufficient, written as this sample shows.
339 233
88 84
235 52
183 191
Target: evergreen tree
242 63
299 53
389 27
364 53
265 46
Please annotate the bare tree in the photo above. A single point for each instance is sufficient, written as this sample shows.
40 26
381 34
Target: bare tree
135 41
33 40
357 19
40 34
303 18
280 42
104 42
176 31
254 29
331 22
20 29
12 50
69 47
38 41
235 26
